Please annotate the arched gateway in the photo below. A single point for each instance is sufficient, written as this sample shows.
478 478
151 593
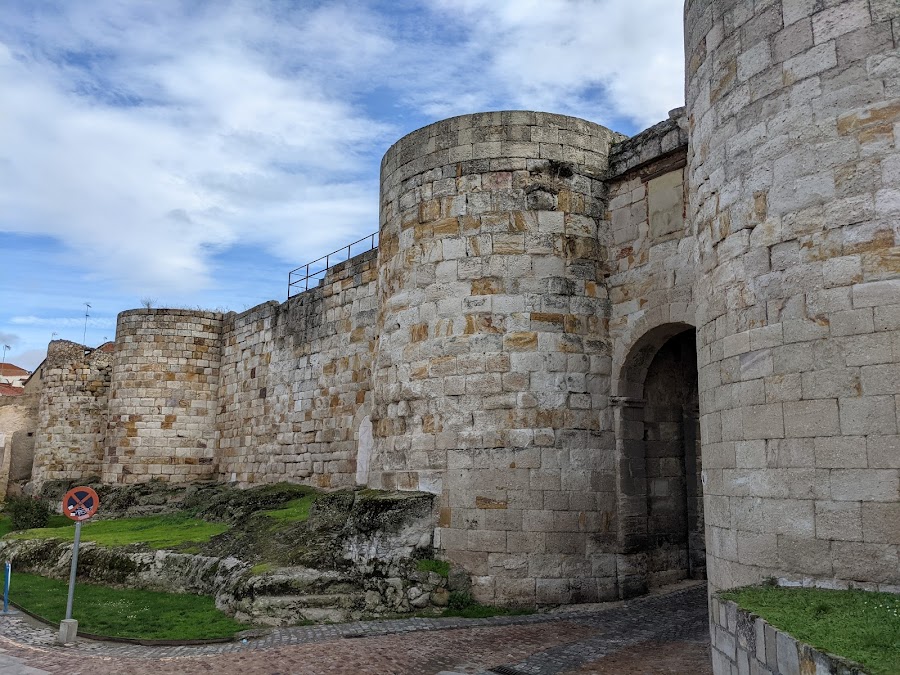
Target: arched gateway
660 494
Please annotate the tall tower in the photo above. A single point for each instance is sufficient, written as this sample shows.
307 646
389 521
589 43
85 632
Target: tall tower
163 396
493 360
794 182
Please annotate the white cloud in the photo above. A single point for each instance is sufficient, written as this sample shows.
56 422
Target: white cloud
188 135
147 136
553 54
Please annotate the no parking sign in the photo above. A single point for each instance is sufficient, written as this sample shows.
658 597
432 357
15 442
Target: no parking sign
80 503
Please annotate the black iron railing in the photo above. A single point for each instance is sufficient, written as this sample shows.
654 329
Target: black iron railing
300 278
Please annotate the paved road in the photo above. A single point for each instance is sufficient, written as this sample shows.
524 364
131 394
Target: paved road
663 634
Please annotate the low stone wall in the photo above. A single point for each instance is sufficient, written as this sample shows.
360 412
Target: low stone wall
278 597
356 555
745 643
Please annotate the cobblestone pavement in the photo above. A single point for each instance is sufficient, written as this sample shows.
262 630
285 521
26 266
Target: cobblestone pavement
654 635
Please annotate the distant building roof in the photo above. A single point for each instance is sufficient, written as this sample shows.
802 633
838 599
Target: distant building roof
9 390
12 370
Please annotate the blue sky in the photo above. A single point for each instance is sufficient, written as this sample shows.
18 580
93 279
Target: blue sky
193 152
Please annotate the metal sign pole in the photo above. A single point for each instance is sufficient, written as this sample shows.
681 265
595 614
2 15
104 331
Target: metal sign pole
79 504
6 587
72 572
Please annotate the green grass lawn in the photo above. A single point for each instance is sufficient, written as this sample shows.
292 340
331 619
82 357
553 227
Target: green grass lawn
168 531
858 625
126 613
56 520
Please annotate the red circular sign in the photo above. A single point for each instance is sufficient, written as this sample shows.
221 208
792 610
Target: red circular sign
80 503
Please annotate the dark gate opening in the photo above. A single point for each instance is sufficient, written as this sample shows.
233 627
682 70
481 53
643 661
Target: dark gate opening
660 491
675 539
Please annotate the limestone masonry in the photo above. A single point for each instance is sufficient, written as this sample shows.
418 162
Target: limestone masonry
617 361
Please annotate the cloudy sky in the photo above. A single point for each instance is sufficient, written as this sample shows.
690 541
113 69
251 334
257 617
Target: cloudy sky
191 153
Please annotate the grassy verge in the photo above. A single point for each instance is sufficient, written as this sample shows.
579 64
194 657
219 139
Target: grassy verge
858 625
56 520
170 531
113 612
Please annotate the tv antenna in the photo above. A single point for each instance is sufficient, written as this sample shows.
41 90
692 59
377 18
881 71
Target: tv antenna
87 307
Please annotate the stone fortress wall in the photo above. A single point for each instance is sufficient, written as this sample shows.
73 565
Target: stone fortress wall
295 384
794 196
278 392
617 362
18 425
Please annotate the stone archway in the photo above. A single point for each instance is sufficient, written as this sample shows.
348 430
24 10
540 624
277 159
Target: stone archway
661 534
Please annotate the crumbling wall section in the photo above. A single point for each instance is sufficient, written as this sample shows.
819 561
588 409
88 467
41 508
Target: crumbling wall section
295 382
73 411
18 425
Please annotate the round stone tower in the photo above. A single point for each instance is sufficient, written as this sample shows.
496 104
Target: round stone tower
492 369
163 396
794 183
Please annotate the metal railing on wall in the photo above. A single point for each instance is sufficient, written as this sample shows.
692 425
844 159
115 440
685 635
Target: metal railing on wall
299 279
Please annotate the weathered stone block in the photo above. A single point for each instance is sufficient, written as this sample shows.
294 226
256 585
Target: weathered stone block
868 415
864 485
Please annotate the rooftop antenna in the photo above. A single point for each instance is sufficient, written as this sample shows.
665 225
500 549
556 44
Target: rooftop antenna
87 307
3 362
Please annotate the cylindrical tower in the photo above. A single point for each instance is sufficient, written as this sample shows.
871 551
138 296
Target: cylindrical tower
794 182
73 412
162 401
492 369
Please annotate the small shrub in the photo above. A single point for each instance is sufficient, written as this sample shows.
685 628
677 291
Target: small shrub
460 600
440 567
26 513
